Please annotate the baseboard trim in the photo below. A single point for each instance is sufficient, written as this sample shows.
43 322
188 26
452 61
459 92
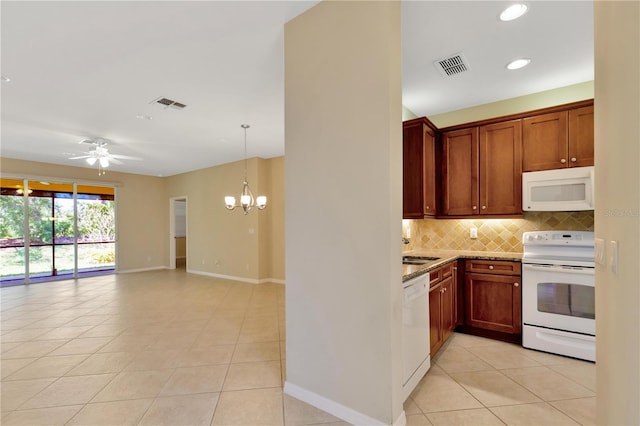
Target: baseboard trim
234 278
153 268
336 409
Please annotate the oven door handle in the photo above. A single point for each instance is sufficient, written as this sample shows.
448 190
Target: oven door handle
565 270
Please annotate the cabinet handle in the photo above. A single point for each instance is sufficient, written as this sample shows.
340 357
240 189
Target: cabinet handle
474 207
484 207
428 207
490 266
562 160
516 284
574 159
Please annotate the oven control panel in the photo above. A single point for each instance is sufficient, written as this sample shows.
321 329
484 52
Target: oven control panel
577 238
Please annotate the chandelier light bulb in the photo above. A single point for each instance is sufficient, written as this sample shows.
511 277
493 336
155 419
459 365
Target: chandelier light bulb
261 201
230 202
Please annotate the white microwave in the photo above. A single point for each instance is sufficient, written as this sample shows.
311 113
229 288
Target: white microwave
562 190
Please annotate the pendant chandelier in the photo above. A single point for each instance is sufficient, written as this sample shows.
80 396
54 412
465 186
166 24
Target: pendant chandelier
246 197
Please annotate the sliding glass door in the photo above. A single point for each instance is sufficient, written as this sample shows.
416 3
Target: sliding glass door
71 231
96 229
12 230
51 230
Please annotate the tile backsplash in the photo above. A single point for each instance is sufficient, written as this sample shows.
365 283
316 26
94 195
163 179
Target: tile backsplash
502 235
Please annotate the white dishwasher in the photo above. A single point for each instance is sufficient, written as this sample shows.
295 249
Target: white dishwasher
415 332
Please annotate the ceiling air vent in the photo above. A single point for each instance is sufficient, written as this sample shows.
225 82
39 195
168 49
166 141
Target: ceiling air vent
168 103
452 65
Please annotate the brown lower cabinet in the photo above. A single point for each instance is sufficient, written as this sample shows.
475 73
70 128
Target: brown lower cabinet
484 299
442 305
493 297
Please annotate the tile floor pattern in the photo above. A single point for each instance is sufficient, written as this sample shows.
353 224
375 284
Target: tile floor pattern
167 347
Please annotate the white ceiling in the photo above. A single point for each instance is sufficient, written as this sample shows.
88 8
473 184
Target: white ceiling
87 69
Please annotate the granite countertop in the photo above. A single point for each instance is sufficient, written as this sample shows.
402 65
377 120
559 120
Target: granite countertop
446 256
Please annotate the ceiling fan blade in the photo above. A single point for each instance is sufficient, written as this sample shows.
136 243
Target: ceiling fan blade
79 157
125 157
115 161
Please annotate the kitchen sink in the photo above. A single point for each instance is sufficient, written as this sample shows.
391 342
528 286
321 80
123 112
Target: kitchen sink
417 260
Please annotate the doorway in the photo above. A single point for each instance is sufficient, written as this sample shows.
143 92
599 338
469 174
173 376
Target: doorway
178 231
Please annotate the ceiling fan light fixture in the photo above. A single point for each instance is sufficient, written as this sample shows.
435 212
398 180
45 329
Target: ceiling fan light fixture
513 12
516 64
104 162
92 160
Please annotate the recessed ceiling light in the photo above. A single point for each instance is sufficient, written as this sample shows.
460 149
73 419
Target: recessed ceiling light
5 79
518 63
514 12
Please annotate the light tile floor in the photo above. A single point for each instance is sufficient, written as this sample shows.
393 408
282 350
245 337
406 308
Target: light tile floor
476 381
167 347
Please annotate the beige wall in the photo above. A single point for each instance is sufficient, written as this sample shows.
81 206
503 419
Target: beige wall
562 95
142 218
617 218
181 247
220 242
228 243
276 206
343 128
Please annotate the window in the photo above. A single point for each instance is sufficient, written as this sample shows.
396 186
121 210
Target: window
71 231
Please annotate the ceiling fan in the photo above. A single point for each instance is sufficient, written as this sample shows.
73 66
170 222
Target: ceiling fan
101 155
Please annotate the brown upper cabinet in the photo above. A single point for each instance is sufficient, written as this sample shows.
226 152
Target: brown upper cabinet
419 169
557 140
481 173
475 169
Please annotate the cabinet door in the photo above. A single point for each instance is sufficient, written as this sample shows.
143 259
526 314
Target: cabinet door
435 324
460 172
447 307
581 137
544 142
429 172
412 171
493 302
501 168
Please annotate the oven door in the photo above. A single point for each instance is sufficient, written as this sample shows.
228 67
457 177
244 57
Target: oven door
559 297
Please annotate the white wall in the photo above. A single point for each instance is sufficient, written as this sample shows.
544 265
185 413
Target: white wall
617 218
343 181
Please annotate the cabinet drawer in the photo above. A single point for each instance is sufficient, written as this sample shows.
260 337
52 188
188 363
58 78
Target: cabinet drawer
498 267
446 270
440 274
435 277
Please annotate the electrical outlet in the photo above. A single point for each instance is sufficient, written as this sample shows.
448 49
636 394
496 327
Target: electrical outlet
473 232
